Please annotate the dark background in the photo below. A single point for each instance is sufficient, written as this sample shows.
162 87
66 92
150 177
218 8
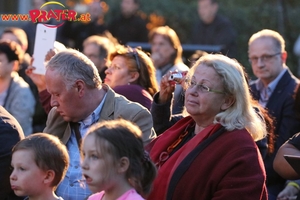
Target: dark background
247 17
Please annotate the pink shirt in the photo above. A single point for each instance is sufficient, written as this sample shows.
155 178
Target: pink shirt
129 195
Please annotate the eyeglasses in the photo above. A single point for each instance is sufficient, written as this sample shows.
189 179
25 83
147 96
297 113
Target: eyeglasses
135 54
201 88
263 58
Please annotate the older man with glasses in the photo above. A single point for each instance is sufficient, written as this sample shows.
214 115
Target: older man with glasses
274 90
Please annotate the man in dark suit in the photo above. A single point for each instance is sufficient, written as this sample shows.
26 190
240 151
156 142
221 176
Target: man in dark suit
10 133
274 90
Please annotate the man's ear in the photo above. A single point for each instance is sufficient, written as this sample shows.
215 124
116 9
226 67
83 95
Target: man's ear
79 86
123 165
284 56
228 101
49 177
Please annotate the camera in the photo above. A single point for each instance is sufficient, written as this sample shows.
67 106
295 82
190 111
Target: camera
178 77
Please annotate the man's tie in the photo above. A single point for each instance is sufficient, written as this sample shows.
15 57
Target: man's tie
75 127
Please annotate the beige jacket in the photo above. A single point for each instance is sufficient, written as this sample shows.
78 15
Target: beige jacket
115 106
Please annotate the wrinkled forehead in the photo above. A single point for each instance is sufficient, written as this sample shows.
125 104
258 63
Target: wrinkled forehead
204 71
52 75
265 44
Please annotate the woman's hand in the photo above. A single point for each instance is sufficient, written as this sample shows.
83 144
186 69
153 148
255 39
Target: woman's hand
166 88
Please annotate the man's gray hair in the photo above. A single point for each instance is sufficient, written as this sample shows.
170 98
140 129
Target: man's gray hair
73 65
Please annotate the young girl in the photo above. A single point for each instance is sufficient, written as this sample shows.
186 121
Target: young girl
115 163
39 163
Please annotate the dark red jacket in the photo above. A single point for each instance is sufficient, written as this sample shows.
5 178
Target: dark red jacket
230 167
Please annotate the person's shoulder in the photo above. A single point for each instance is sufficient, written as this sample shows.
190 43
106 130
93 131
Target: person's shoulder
18 80
54 116
9 125
237 140
21 88
116 20
124 105
121 88
128 88
222 19
139 18
252 82
54 120
96 196
293 77
131 195
241 136
288 81
121 102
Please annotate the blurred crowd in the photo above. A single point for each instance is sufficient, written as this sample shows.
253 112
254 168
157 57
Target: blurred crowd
112 121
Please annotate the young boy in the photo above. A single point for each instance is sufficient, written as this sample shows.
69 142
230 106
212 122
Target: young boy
39 163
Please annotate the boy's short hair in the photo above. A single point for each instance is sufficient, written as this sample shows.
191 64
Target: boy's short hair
49 154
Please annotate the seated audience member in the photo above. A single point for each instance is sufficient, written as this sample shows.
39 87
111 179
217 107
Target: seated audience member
128 172
274 90
39 163
221 129
10 133
212 28
15 94
132 75
129 26
166 54
19 36
162 118
98 49
79 100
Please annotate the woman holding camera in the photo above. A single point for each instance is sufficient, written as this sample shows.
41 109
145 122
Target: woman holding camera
211 154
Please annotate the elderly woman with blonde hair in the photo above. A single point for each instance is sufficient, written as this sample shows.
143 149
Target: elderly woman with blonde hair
211 153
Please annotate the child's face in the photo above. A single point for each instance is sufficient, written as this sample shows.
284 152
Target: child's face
99 171
27 178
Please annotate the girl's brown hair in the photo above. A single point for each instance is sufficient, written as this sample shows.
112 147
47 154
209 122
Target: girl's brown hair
121 138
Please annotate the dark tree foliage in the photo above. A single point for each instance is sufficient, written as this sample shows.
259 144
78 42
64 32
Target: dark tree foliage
248 17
